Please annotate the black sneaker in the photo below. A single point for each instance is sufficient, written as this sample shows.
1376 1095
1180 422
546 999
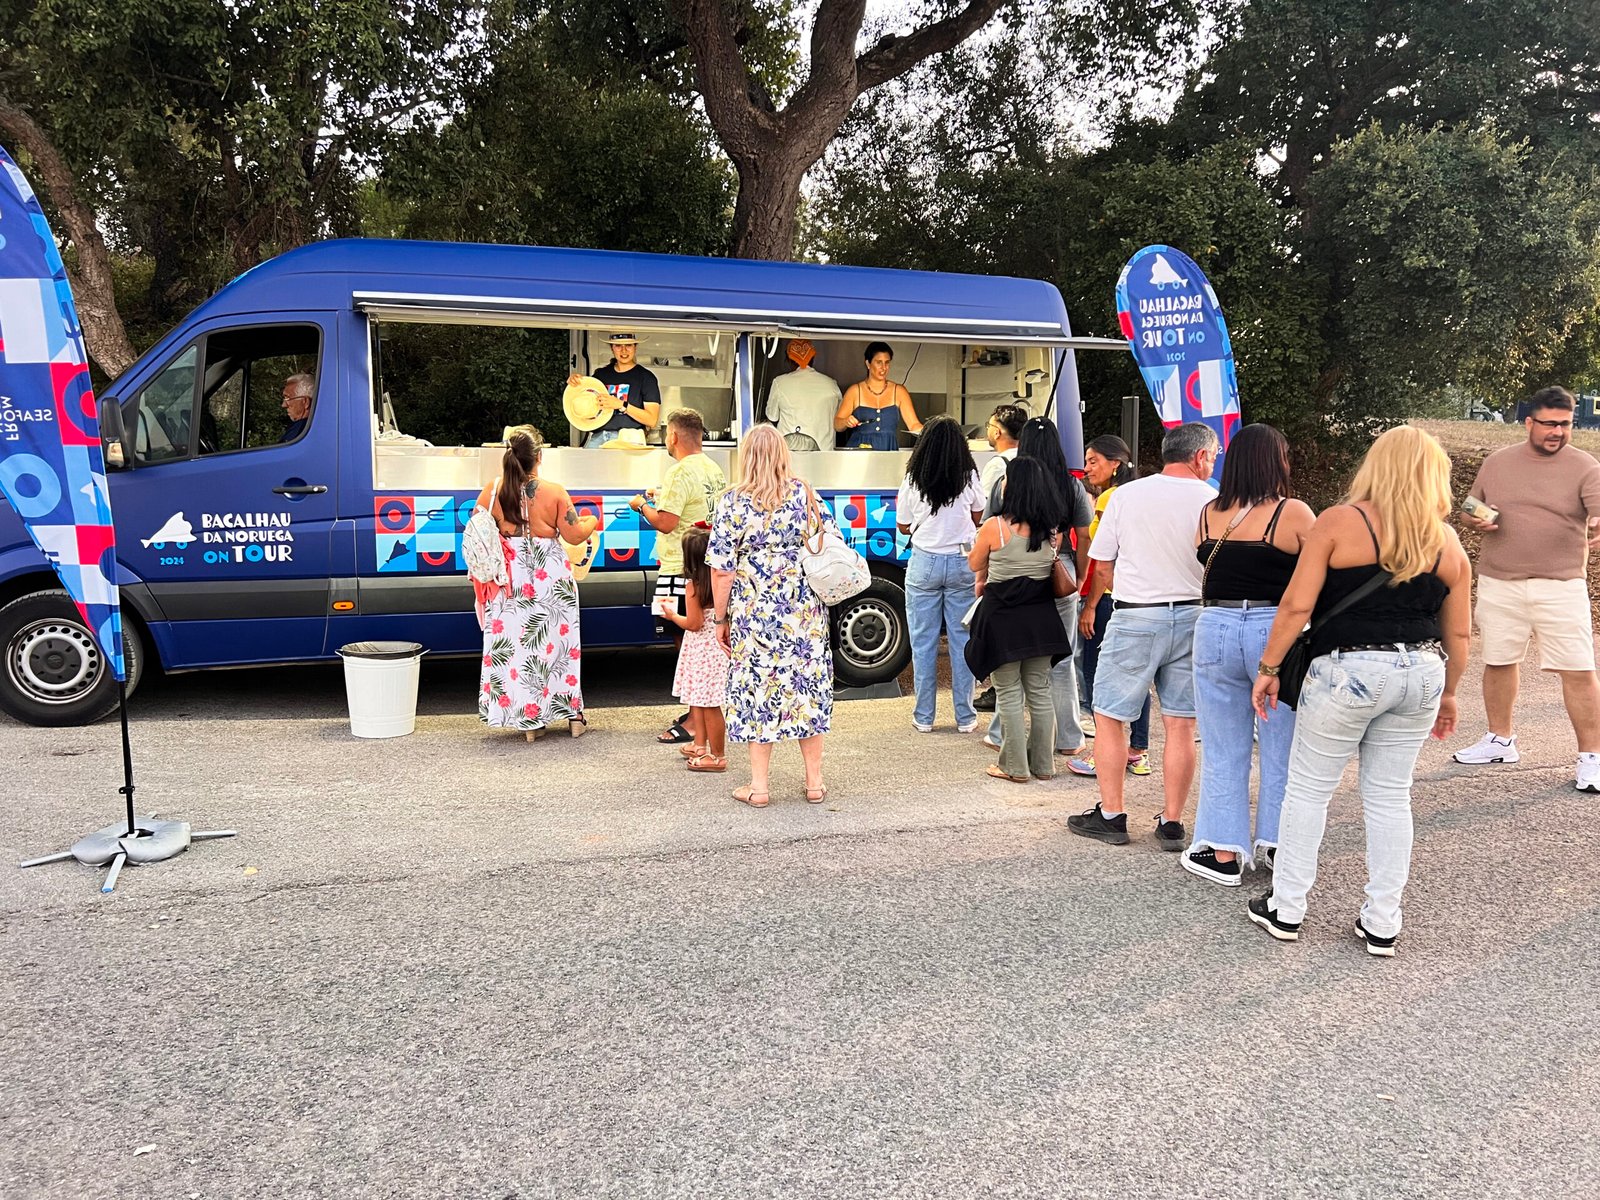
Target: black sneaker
1170 835
1095 824
1382 947
1204 864
985 700
1263 912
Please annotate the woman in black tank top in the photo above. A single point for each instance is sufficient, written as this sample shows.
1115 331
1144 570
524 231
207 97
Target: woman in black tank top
1248 541
1384 582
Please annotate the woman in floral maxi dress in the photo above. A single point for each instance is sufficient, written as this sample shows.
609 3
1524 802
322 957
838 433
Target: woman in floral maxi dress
781 683
532 666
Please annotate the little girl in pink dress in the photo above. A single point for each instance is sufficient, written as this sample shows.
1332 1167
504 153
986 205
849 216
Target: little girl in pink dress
701 681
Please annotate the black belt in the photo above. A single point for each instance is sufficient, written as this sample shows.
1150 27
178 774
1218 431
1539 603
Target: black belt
1154 604
1245 604
1431 646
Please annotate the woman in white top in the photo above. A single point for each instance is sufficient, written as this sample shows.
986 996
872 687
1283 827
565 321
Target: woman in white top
939 505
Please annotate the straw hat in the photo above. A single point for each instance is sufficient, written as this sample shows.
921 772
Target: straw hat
628 439
583 403
621 339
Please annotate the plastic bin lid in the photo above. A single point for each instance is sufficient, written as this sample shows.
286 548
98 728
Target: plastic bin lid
382 649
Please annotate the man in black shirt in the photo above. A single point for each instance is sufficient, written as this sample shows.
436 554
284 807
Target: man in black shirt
635 394
298 393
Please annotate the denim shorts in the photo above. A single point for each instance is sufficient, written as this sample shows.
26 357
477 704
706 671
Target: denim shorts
1141 647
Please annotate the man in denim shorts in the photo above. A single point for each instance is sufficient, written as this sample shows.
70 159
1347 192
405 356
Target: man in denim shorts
1543 499
1145 544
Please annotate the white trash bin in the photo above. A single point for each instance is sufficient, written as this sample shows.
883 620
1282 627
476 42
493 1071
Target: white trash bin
380 685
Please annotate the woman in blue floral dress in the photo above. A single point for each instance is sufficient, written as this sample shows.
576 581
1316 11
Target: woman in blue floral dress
775 627
532 668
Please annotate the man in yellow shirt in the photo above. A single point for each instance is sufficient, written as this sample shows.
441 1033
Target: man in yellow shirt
687 494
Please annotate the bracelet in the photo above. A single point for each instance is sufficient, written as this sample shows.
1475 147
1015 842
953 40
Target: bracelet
1269 671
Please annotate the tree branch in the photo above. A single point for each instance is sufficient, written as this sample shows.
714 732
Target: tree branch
105 337
894 56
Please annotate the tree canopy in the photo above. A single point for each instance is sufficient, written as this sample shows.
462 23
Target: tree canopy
1397 201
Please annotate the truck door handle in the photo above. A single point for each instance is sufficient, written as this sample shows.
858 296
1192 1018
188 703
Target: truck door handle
304 489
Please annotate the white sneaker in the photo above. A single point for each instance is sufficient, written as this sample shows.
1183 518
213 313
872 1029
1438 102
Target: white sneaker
1588 775
1489 749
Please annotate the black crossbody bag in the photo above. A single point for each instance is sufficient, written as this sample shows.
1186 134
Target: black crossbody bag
1292 670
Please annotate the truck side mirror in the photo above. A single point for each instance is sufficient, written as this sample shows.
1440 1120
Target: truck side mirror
113 435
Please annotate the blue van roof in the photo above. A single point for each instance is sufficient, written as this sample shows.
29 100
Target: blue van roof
439 280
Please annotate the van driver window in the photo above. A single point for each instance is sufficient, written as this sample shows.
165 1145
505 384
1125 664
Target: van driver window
239 378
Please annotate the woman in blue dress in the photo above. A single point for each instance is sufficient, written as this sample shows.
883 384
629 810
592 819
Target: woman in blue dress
870 411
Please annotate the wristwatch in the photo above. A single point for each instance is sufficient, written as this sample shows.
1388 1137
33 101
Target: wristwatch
716 620
1262 668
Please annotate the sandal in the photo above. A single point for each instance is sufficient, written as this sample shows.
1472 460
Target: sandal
692 751
816 795
578 728
747 795
995 772
535 734
675 735
712 763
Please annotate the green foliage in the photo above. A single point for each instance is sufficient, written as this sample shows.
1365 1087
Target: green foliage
1456 257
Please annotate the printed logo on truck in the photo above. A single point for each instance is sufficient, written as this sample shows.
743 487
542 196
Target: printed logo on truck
422 534
225 538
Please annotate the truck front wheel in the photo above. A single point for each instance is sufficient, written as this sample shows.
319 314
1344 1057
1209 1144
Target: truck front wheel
871 640
54 672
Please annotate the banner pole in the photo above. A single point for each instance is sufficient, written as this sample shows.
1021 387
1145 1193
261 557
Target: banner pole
127 753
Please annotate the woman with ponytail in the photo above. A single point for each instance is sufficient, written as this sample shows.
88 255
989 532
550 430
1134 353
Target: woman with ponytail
531 652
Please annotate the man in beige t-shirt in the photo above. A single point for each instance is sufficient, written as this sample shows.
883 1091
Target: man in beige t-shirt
1532 579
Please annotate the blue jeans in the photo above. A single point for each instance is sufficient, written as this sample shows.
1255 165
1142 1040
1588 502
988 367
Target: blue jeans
1228 643
939 591
1144 647
1139 734
1379 704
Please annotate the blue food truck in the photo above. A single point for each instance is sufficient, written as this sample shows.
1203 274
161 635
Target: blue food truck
240 545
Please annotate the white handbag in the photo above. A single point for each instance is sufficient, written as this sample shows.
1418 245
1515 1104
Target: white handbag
834 570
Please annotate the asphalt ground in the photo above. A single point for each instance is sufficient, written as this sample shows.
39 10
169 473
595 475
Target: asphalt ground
456 964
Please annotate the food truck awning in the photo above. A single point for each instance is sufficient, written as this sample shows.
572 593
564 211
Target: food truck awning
464 283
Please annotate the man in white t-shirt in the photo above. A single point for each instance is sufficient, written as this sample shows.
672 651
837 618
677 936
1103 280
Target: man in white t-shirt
1145 544
804 400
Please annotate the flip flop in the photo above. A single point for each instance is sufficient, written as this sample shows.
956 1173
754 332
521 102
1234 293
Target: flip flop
996 773
677 735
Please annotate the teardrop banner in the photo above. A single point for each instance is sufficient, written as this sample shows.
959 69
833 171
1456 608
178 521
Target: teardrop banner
53 472
1170 315
51 468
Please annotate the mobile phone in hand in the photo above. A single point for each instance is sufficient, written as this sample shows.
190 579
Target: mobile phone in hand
1474 507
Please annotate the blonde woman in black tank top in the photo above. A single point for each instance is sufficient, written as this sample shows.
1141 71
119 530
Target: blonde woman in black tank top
1383 675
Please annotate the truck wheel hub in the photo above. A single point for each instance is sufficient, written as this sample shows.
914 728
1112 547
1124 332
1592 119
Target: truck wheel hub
53 661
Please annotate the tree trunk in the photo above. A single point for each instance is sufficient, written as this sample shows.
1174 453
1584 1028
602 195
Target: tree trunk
772 150
104 335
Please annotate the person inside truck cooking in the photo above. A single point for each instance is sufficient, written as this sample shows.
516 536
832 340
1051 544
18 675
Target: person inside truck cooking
869 415
635 393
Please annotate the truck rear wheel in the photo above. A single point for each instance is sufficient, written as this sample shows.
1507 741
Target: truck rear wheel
871 639
54 672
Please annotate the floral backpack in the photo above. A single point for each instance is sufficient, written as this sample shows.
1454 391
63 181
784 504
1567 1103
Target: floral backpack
483 547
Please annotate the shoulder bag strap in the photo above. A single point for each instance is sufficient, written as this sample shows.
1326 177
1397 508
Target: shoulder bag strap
1361 593
1212 557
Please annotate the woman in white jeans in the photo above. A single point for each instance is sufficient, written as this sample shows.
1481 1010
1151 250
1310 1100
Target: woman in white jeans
1385 665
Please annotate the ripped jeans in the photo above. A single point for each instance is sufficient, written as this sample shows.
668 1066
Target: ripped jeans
1379 705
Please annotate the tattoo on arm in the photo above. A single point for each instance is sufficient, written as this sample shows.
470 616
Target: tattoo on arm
572 515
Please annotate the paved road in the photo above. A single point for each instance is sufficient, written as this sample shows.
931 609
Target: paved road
458 965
